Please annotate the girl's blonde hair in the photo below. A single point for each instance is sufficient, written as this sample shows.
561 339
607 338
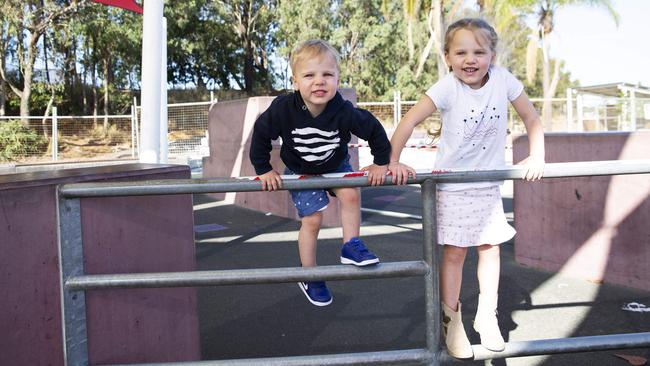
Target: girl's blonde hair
310 49
481 29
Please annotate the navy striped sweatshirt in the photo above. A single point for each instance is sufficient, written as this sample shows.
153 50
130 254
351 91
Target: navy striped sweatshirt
314 145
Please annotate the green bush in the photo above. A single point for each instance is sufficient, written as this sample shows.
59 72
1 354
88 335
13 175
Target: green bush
17 140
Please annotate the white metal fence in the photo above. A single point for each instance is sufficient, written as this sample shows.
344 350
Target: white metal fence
38 139
576 113
84 138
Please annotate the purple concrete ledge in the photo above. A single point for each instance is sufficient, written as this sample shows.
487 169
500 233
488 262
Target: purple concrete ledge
230 128
595 228
120 234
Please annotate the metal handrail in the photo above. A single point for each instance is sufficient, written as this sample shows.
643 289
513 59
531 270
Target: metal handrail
76 282
181 186
246 276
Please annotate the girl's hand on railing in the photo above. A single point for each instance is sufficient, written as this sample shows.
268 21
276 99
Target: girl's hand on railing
400 172
376 174
271 181
533 168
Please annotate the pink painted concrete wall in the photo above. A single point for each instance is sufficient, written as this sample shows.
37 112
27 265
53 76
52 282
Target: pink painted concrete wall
230 128
595 228
121 234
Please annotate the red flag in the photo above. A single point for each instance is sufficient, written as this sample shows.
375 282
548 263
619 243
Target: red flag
124 4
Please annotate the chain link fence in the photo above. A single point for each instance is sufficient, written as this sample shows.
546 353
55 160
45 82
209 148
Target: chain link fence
30 140
187 125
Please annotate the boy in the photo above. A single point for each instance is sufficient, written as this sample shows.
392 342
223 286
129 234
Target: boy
315 124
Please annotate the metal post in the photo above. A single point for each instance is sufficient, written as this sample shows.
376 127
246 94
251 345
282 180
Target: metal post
151 64
581 124
55 135
73 303
136 150
133 132
569 109
395 107
432 278
164 144
633 110
399 107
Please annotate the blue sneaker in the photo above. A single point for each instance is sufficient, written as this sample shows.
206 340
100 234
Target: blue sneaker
316 292
355 252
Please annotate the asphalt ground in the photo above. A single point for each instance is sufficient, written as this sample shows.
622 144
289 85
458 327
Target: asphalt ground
276 320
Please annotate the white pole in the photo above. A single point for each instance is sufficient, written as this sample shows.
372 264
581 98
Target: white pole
569 109
136 126
399 108
55 135
164 147
581 124
633 110
133 131
151 64
597 112
395 108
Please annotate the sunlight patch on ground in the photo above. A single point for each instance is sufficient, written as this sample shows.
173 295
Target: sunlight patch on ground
325 233
203 206
555 316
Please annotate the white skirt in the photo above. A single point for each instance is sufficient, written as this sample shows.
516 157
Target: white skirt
472 217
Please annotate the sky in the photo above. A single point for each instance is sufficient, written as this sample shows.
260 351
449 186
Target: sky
596 51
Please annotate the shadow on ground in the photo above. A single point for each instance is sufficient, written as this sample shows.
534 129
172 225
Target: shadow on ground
384 314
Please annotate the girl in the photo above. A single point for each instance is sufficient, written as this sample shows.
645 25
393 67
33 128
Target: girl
472 100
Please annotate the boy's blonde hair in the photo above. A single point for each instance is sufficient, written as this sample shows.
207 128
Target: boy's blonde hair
310 49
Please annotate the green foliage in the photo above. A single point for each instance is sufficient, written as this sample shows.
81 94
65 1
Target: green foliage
41 95
223 44
244 45
18 141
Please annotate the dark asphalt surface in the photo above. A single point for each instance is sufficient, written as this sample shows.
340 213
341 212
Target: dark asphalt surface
383 314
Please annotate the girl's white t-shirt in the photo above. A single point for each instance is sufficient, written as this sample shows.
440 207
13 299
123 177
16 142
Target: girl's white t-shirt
474 123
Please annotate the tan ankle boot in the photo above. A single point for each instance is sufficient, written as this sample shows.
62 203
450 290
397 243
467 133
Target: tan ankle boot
458 345
486 324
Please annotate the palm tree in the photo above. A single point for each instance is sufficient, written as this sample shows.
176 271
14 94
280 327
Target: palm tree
411 9
546 10
439 15
503 14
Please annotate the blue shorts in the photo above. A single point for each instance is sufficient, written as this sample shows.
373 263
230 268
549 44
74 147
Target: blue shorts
309 201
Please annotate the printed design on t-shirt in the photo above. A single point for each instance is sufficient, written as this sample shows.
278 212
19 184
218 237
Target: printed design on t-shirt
315 145
480 123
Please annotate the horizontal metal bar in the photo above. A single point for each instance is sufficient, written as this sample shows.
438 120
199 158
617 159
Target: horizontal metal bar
399 357
185 186
561 345
246 276
513 349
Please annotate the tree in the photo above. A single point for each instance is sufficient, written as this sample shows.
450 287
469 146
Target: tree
508 19
201 47
546 10
292 16
250 21
411 10
369 46
114 36
4 48
29 20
